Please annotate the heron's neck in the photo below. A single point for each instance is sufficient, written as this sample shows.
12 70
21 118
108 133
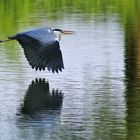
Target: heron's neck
57 35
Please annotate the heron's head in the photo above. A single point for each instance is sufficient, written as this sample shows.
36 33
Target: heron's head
59 32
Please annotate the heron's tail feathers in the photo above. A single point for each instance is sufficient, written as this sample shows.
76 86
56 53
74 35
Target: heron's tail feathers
9 39
1 41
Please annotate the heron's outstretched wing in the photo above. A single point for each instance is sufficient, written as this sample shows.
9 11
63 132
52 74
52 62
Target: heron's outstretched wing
41 54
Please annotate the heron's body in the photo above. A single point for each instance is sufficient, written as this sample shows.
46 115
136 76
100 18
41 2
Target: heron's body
41 48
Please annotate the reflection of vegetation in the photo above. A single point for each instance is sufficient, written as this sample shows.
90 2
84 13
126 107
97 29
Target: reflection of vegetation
132 72
15 13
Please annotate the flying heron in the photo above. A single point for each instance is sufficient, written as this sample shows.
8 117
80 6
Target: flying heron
41 47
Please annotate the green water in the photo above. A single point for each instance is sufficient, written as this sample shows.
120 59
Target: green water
97 96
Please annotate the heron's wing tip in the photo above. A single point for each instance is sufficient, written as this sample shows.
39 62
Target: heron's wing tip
51 57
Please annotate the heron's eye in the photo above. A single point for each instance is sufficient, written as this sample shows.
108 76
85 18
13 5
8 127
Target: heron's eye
59 30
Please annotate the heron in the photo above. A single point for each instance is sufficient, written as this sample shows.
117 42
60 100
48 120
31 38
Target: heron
41 47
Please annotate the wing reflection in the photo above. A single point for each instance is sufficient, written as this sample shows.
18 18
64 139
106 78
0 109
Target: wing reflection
39 98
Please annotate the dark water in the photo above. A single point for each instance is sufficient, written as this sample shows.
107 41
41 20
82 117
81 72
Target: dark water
97 96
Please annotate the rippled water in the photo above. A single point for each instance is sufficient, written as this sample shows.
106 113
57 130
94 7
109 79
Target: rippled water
96 97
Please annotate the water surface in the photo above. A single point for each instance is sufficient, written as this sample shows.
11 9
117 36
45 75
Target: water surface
96 97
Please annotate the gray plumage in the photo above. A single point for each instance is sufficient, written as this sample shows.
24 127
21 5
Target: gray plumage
41 48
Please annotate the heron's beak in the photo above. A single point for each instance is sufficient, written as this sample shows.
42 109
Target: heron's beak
68 32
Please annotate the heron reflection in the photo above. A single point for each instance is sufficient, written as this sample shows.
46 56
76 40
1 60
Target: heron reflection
39 98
